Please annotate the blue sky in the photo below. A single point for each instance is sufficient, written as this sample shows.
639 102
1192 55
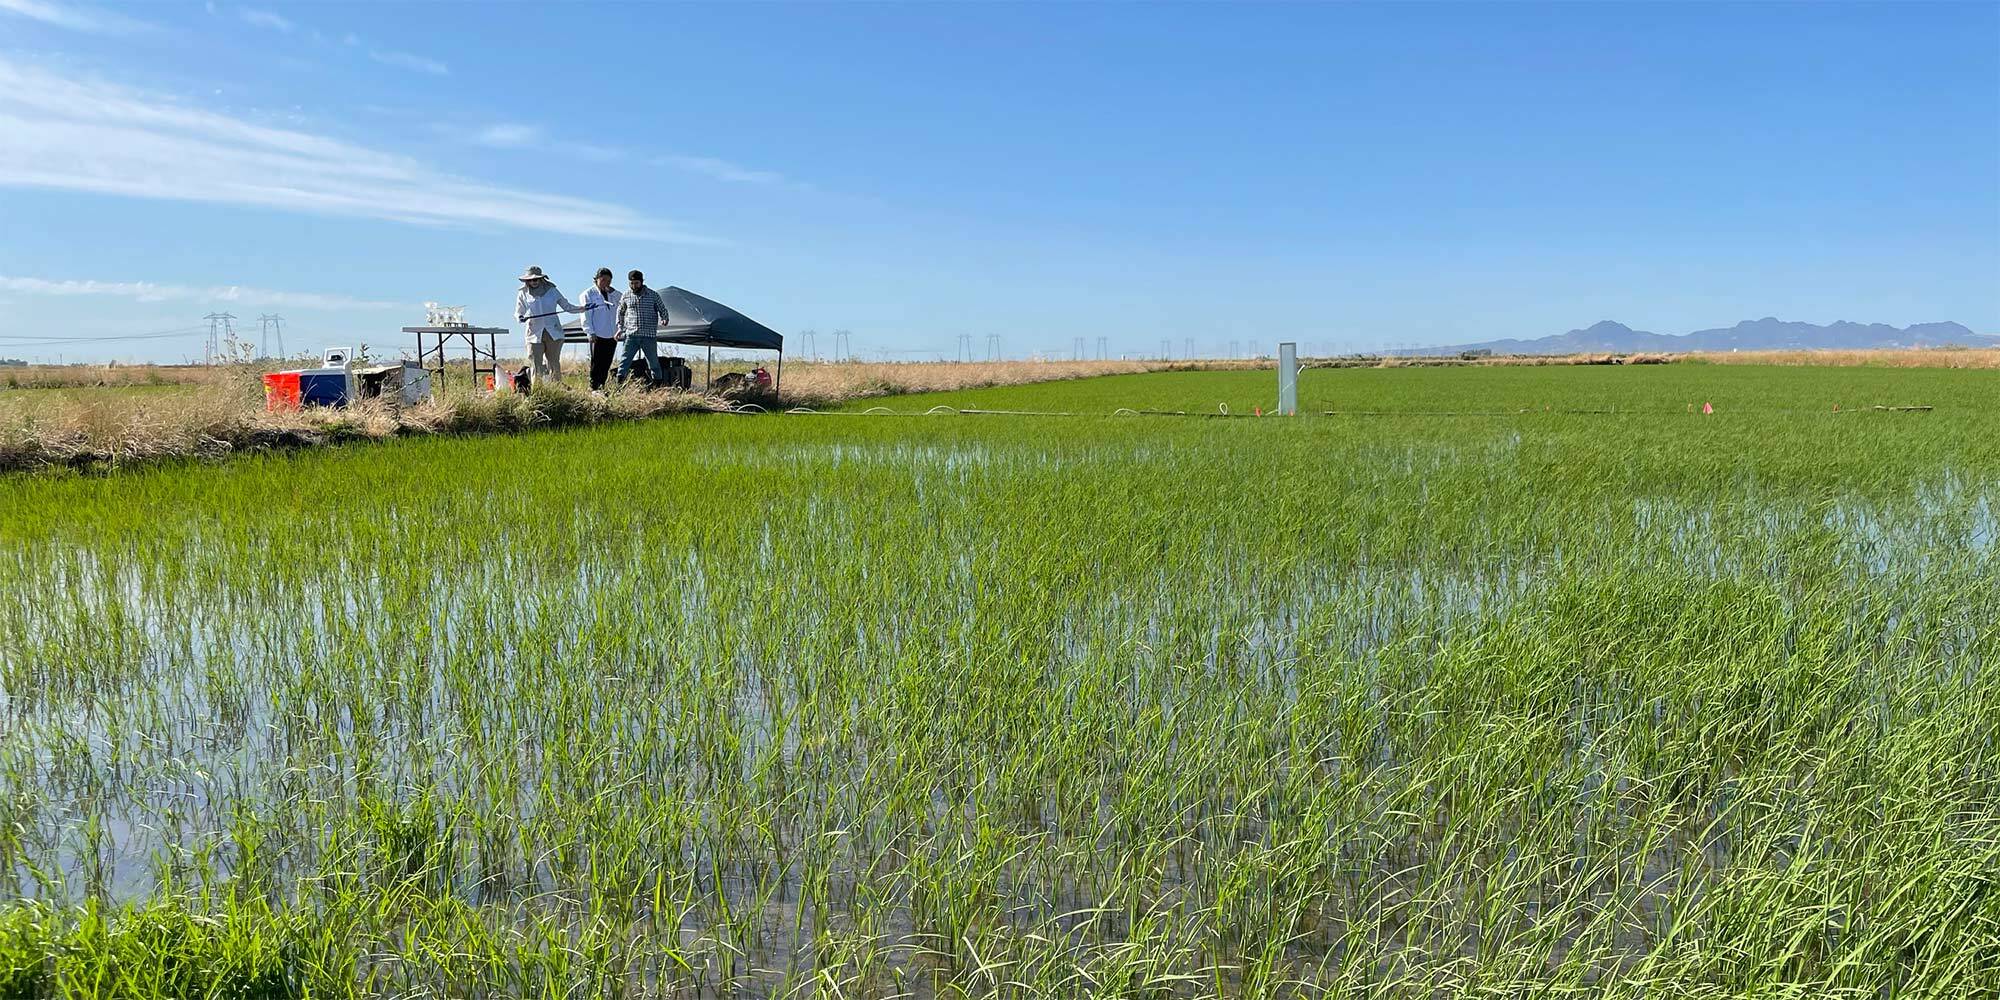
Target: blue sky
1348 176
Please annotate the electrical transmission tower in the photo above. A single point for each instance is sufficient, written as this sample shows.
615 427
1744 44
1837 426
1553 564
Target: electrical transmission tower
1076 349
266 324
1235 349
1103 348
812 348
1187 348
1166 348
219 330
843 345
992 347
965 347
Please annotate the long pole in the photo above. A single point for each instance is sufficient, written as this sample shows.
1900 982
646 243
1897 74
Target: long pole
778 382
709 378
1288 379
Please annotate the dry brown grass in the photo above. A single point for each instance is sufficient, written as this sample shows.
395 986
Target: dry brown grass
102 376
1946 357
1501 361
87 429
1941 357
833 383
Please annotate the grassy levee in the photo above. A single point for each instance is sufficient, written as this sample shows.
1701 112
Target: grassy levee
1634 705
221 411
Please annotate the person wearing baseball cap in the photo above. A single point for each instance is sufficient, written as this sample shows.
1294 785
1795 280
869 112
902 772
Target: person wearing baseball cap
539 307
640 317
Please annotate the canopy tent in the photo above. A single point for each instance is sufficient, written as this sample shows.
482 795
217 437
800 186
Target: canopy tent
692 319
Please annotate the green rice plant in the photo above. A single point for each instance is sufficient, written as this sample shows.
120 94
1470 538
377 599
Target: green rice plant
1520 681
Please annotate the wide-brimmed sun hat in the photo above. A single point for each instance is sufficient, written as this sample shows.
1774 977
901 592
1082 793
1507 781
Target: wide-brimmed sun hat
534 274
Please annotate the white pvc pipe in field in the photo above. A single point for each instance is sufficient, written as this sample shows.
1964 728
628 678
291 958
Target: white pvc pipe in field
1288 379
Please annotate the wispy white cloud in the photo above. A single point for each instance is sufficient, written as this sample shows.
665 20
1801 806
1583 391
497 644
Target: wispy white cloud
278 22
517 135
720 169
526 135
82 135
507 136
404 60
147 291
100 22
264 19
520 135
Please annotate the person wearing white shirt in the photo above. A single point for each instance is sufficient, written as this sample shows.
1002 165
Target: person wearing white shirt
600 320
539 307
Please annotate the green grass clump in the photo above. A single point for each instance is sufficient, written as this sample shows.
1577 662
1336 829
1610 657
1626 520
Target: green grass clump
1630 704
168 949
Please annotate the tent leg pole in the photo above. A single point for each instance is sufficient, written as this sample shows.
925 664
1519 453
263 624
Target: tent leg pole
710 376
778 383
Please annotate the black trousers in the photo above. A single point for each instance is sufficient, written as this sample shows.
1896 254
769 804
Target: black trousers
601 350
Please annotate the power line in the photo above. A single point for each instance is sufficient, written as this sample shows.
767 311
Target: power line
44 340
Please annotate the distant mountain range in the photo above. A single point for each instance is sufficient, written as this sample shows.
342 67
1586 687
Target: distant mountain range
1767 334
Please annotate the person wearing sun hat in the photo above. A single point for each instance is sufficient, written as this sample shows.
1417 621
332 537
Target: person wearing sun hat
539 307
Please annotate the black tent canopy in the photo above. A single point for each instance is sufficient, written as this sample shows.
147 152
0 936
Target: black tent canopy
692 319
704 322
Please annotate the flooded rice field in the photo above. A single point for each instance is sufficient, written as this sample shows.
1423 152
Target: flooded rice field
1017 707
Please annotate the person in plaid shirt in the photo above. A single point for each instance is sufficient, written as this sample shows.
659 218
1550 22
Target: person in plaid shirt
640 315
